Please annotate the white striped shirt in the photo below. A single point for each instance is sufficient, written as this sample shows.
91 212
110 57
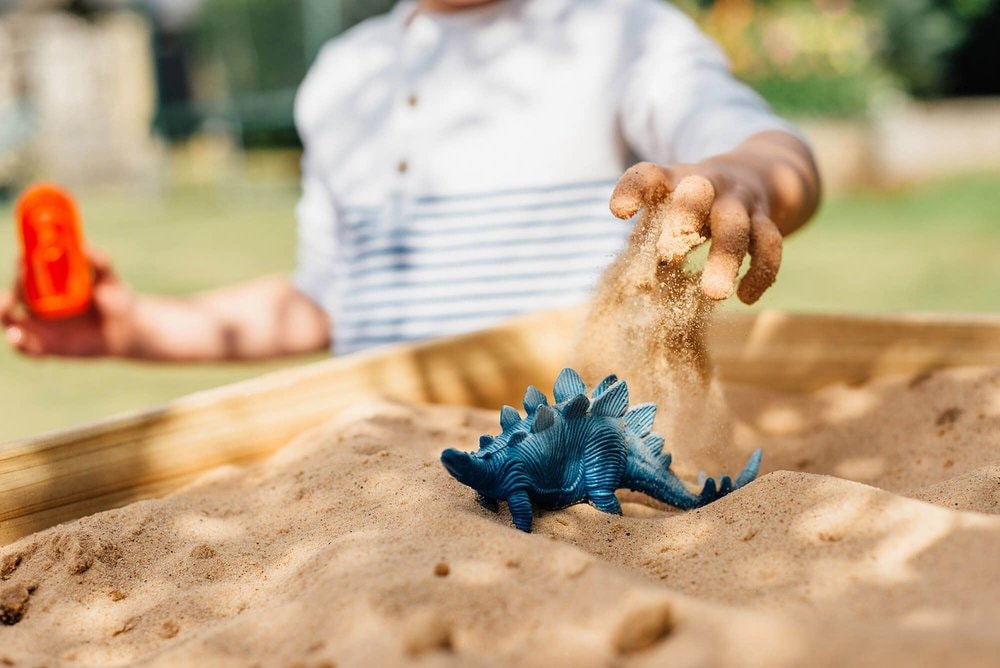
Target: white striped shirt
458 166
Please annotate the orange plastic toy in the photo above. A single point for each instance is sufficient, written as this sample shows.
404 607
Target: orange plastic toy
57 276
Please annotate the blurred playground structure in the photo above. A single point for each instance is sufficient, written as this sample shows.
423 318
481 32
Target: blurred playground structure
82 84
889 91
76 98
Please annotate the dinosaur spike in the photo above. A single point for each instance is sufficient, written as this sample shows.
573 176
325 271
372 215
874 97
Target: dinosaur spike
545 418
551 439
725 485
576 408
640 419
517 438
568 385
709 492
654 446
612 403
603 386
509 417
485 441
533 398
750 470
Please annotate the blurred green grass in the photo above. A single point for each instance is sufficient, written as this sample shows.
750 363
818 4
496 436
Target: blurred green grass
935 247
932 247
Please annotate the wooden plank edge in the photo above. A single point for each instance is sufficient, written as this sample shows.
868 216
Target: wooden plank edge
802 352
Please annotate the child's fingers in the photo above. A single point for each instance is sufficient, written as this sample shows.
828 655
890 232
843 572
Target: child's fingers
765 259
10 305
24 338
11 319
8 301
686 219
644 183
14 336
730 225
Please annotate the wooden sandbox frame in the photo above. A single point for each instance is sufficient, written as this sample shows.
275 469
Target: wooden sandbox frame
69 474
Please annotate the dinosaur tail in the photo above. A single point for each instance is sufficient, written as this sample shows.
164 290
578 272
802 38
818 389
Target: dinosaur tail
648 475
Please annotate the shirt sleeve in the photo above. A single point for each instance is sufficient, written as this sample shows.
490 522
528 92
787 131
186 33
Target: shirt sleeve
679 101
316 254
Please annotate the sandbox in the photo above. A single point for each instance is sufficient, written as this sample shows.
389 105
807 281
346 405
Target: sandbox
871 538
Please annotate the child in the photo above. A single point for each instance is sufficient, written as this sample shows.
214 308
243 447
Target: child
459 155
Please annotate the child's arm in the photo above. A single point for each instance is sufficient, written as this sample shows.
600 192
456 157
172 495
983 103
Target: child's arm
738 173
745 200
254 320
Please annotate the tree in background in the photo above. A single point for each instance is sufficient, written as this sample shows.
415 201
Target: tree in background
807 58
925 39
830 57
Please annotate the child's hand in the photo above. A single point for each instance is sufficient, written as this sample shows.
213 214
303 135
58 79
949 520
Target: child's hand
104 329
726 200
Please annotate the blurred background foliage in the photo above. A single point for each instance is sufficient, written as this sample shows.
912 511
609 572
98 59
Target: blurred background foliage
830 58
835 57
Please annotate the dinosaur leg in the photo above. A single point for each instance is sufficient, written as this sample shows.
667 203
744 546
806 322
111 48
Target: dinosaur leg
606 502
604 464
520 510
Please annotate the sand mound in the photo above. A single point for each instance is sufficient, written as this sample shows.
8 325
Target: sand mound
353 546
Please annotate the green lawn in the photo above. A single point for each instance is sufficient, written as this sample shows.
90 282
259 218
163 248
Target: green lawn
932 248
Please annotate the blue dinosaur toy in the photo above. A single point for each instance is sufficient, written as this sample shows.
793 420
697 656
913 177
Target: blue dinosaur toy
578 450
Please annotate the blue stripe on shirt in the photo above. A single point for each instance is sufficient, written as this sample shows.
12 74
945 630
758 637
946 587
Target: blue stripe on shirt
431 234
403 249
513 192
409 264
361 309
475 213
464 315
417 282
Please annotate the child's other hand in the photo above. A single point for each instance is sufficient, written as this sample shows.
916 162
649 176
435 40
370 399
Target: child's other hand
722 200
105 329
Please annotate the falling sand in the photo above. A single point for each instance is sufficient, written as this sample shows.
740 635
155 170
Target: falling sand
647 323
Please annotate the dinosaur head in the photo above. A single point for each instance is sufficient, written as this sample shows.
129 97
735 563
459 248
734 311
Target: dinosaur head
468 469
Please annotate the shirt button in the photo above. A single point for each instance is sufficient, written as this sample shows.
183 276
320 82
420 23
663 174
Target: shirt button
402 166
412 100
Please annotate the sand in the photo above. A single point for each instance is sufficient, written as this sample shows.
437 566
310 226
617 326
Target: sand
872 539
647 323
